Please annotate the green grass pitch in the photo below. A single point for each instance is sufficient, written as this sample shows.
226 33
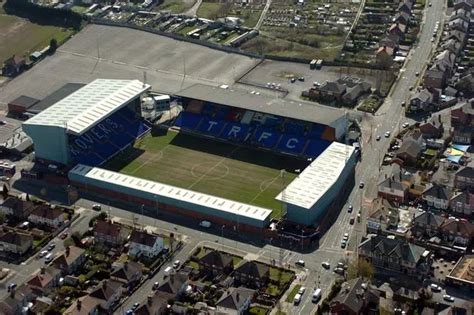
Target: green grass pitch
221 169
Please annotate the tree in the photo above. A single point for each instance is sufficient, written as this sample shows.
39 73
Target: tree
360 268
53 45
2 218
5 192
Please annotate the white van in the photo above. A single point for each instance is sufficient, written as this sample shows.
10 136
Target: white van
168 270
297 299
316 295
205 224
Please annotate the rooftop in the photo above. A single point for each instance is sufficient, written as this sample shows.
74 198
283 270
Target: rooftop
263 103
464 269
66 90
168 191
306 190
90 104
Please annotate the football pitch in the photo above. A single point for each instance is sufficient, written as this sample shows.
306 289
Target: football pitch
204 165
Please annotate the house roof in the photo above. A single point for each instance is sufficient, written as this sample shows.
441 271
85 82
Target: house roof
174 283
423 95
235 298
393 184
69 256
353 295
154 304
108 228
467 171
106 289
55 97
402 17
428 218
43 278
143 237
47 212
429 127
17 204
438 191
128 271
24 101
465 197
254 269
355 91
455 226
85 107
398 249
87 304
410 147
216 258
16 238
331 86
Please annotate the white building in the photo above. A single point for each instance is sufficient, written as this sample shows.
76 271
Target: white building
144 244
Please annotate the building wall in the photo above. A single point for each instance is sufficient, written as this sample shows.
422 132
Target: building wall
50 142
308 217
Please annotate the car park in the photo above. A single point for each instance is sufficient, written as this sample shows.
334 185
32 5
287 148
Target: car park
300 263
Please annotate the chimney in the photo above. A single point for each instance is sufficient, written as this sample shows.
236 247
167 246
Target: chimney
79 304
68 251
42 270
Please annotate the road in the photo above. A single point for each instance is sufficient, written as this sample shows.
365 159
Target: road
262 16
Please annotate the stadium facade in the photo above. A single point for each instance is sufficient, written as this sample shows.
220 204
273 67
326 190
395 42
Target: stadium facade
91 125
309 195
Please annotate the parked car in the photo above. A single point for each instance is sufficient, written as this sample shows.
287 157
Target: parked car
135 305
96 207
339 270
387 134
361 185
448 298
176 264
316 296
351 220
297 299
302 290
378 138
300 263
434 287
350 208
63 236
301 79
51 246
293 80
155 285
326 265
12 286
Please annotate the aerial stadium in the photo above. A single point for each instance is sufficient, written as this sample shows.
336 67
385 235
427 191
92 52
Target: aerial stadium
232 157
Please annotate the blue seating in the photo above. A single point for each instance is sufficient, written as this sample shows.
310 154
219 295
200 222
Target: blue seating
188 120
211 126
273 121
295 128
316 131
316 147
291 144
265 137
235 132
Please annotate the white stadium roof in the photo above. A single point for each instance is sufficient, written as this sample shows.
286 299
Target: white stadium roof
305 190
146 186
89 105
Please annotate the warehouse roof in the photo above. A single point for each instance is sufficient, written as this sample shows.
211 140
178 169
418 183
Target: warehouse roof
24 101
167 191
65 90
90 104
262 103
306 189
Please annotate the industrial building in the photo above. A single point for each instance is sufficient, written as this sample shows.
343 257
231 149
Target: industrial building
308 197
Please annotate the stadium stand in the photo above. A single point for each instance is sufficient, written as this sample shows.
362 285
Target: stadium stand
283 135
108 137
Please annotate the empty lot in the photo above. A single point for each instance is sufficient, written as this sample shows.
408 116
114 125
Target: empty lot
121 53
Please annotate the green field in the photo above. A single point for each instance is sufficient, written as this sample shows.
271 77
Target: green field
21 37
241 174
